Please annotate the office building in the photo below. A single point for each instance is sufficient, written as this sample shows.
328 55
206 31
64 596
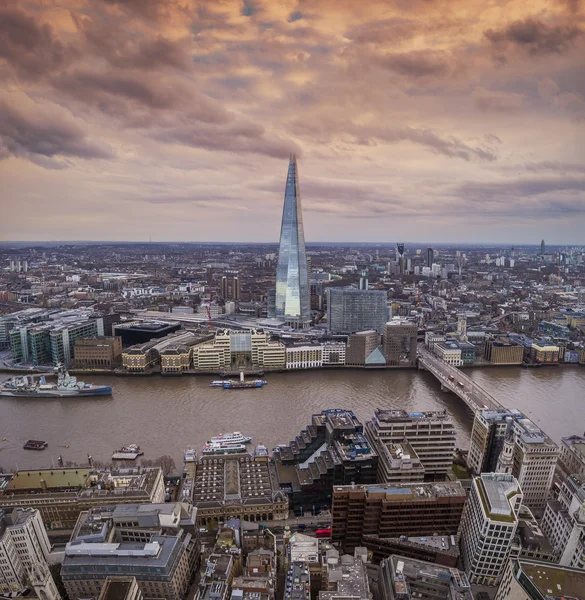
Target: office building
360 347
230 288
121 588
24 548
334 353
402 578
544 353
62 494
438 549
431 435
243 486
489 525
430 257
141 332
572 455
526 579
400 338
532 454
351 310
394 510
564 523
304 356
332 450
398 463
98 353
292 302
503 351
449 352
542 248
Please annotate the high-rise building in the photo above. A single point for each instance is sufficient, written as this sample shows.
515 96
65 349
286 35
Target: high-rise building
489 525
24 545
360 346
564 523
430 257
230 288
393 510
431 434
542 248
400 338
292 280
351 310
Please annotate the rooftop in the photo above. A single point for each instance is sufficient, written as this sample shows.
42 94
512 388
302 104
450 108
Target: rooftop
349 577
496 491
49 479
408 491
554 581
393 416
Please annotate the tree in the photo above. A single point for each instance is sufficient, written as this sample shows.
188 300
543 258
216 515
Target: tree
165 462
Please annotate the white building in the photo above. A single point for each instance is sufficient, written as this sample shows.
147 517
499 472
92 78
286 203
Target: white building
304 357
564 523
334 353
572 458
431 338
24 548
488 526
448 352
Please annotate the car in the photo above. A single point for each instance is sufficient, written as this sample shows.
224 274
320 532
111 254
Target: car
302 526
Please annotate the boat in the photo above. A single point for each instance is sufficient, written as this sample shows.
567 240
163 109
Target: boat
242 384
67 386
131 452
223 449
190 455
261 450
230 438
35 445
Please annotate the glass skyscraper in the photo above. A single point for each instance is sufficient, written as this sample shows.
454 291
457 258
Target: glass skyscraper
293 303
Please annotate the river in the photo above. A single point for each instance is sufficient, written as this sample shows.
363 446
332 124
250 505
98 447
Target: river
164 415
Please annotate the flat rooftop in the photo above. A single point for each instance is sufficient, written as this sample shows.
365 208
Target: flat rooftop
396 416
408 491
52 478
554 581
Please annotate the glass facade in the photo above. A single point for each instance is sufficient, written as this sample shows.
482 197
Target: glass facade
292 279
350 310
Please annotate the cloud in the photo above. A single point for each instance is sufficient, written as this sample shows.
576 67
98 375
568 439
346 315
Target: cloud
44 133
536 37
29 48
497 101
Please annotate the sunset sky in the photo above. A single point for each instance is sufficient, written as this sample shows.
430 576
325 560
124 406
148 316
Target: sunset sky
431 120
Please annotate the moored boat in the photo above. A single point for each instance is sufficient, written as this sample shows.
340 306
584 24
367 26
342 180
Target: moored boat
131 452
230 438
223 449
35 445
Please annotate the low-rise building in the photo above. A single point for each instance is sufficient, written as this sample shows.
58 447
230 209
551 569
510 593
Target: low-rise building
141 358
448 352
304 357
345 577
503 351
544 353
98 352
334 353
402 578
489 525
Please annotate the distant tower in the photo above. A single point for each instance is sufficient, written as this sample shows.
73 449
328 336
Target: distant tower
430 257
542 248
364 281
400 248
462 327
293 302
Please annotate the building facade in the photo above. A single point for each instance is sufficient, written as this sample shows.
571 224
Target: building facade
360 346
292 279
400 339
350 310
304 357
98 353
489 525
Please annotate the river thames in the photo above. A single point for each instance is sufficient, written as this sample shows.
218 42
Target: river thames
165 415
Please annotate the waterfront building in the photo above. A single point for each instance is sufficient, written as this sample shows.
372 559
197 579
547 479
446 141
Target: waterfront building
449 352
350 310
432 338
62 494
544 353
400 339
467 352
564 523
238 485
292 280
345 577
360 346
24 548
13 320
532 454
141 358
175 359
402 578
526 579
141 332
503 351
431 434
230 288
394 510
304 357
572 456
98 353
334 353
489 525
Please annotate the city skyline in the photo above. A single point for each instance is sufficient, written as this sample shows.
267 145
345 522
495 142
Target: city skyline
126 120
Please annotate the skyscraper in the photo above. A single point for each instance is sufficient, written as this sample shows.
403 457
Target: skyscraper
542 248
430 257
292 280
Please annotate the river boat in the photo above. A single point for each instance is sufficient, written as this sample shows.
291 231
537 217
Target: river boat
230 438
190 455
223 449
35 445
131 452
66 386
241 384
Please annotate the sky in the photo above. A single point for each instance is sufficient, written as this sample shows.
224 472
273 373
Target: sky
436 120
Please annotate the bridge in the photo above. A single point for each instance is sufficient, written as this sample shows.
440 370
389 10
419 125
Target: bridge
454 380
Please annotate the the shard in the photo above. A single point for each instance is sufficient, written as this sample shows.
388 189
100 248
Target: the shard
292 277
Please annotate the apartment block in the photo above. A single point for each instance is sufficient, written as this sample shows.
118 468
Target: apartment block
389 511
430 434
489 525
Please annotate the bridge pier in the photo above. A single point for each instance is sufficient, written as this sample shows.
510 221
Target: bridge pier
445 389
